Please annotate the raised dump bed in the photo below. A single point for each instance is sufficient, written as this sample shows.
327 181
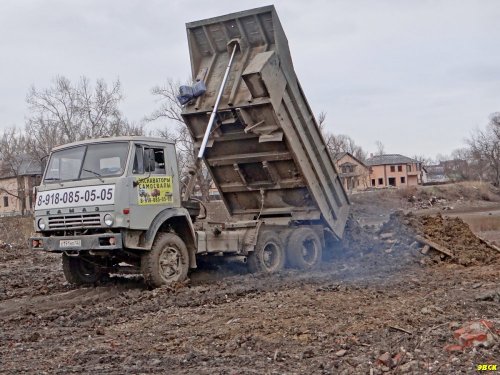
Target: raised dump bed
265 152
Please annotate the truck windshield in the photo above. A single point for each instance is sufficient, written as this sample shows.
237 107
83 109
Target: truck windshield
88 161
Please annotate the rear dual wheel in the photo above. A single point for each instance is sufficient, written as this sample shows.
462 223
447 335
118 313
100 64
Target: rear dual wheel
304 250
269 254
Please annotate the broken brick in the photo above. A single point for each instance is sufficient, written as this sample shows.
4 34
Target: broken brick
474 334
397 358
472 339
384 359
453 348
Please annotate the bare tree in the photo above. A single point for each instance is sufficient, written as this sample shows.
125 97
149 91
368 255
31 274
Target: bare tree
321 120
337 143
176 131
380 148
12 157
67 112
422 159
484 147
169 107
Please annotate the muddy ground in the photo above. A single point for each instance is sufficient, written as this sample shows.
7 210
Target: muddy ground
389 309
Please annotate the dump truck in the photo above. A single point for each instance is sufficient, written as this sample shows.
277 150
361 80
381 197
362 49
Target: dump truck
118 204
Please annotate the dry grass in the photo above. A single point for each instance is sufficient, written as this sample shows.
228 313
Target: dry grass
469 190
481 223
16 230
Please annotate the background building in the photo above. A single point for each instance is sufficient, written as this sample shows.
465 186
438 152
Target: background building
353 173
394 170
16 189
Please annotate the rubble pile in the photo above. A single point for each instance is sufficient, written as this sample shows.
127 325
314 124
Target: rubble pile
473 334
418 203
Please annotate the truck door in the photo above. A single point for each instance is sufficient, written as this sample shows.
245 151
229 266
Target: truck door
152 188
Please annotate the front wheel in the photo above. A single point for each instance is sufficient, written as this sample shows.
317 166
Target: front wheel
269 254
167 261
80 271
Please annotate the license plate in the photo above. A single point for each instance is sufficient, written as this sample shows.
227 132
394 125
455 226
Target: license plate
70 243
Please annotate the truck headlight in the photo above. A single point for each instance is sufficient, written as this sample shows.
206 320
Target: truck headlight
41 224
108 220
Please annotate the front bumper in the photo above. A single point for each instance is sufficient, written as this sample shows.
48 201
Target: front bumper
58 244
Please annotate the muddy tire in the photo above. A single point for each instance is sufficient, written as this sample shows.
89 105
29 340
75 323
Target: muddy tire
167 262
269 254
304 249
79 271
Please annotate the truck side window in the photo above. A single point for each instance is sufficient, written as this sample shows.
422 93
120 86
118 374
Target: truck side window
138 167
159 161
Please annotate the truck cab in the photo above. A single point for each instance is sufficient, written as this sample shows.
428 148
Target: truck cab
113 204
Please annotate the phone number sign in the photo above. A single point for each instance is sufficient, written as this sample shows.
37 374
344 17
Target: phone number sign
75 197
154 190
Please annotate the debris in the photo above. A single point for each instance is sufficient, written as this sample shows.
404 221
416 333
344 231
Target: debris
400 329
474 334
341 353
434 245
384 359
453 348
490 295
489 244
5 245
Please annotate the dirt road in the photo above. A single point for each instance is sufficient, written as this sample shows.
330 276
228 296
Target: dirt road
371 312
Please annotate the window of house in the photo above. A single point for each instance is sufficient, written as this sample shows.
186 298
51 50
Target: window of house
6 201
403 180
392 181
380 181
373 182
408 168
347 169
393 168
400 168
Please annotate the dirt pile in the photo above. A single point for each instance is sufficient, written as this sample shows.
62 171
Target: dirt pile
401 238
375 251
451 233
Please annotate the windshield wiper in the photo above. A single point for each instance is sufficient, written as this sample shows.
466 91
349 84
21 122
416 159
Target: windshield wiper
95 173
52 179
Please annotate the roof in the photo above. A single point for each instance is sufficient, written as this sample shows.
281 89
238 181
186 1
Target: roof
126 138
28 167
389 159
340 155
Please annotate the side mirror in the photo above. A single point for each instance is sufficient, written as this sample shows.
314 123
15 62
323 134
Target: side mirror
149 160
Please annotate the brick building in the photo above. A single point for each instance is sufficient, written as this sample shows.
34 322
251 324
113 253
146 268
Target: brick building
394 170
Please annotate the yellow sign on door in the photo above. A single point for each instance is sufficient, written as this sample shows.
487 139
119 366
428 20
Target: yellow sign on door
154 190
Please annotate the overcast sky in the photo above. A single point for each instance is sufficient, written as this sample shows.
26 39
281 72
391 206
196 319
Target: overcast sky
417 75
